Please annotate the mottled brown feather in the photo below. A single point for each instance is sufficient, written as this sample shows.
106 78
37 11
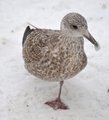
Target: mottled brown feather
52 55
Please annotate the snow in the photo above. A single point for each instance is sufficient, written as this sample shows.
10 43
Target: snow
22 96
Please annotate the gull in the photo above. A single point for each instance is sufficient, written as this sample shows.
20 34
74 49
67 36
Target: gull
57 55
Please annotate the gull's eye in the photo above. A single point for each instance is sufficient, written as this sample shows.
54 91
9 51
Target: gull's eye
74 27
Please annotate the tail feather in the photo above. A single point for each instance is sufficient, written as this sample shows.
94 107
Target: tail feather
26 33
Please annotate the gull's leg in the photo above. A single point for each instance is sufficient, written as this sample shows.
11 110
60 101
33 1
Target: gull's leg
57 104
60 89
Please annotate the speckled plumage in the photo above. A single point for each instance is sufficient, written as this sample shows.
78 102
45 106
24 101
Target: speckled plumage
51 55
57 55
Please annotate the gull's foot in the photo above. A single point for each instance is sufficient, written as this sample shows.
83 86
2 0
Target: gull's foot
57 104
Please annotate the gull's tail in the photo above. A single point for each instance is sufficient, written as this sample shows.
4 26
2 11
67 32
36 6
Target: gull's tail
26 33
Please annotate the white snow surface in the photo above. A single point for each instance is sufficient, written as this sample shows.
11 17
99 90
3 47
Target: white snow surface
22 96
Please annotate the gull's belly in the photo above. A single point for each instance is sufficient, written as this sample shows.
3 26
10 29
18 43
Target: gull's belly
58 68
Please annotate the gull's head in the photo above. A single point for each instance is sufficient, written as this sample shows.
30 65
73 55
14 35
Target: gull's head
76 25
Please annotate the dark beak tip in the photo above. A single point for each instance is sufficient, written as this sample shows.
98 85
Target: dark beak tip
97 47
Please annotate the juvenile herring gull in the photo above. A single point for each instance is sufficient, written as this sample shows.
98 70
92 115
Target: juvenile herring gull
57 55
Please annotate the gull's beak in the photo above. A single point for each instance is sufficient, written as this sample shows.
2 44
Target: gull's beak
91 39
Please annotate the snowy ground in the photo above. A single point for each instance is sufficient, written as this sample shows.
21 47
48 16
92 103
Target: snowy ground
22 95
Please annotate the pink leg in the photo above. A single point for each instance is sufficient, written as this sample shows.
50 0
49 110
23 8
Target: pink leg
57 104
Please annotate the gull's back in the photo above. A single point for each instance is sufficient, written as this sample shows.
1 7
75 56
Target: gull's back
37 41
